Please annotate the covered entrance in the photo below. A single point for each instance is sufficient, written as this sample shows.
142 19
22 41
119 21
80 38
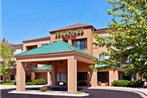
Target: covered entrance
63 58
41 72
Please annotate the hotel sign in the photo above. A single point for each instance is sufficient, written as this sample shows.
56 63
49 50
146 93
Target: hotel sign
69 34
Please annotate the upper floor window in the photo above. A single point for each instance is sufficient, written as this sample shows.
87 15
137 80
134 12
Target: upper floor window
103 57
128 61
81 43
31 47
44 44
65 41
17 51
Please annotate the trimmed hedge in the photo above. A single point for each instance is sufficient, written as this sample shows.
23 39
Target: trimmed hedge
37 82
121 83
136 83
127 83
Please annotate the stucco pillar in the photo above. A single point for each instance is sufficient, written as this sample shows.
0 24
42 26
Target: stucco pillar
113 75
53 75
88 78
33 75
70 41
20 76
72 75
24 48
94 78
49 81
138 77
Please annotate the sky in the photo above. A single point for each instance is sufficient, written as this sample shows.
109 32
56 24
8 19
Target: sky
28 19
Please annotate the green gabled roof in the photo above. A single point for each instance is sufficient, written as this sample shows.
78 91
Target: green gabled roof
45 67
58 46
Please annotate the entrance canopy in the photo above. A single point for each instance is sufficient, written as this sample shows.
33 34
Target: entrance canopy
56 47
50 55
45 67
58 50
102 65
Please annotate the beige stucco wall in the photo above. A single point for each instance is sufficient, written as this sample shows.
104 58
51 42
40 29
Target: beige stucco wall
96 49
113 75
87 34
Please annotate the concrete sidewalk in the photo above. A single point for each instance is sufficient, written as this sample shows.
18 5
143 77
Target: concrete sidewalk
53 93
141 91
14 86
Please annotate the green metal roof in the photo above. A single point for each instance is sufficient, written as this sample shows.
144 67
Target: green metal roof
55 47
45 67
101 65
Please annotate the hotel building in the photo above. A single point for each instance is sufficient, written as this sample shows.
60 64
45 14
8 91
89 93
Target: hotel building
64 57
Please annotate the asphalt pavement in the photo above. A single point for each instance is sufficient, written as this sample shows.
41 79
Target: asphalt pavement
94 93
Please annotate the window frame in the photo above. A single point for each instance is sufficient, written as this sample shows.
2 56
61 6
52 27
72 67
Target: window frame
80 43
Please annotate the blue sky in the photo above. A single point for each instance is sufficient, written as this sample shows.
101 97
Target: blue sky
28 19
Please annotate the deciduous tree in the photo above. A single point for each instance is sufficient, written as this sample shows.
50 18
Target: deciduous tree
128 37
6 58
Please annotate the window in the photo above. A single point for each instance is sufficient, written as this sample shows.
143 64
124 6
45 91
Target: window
122 76
17 51
31 47
81 44
103 57
65 41
128 61
12 77
1 77
61 77
44 44
103 77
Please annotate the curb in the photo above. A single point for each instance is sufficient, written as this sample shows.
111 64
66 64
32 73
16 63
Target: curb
142 94
49 93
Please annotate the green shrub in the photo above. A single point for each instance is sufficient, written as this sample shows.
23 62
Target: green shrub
127 83
8 83
43 89
37 82
136 83
28 83
121 83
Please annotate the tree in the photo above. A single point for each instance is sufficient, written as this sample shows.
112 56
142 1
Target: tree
6 59
3 40
128 36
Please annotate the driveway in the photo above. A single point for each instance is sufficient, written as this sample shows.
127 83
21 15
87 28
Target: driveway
94 93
